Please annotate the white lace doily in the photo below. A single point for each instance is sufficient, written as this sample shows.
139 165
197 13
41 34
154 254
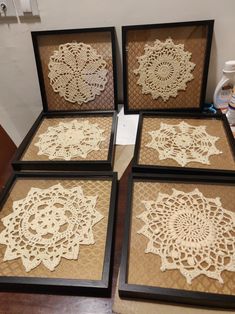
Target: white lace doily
70 139
183 143
191 233
164 69
77 72
49 224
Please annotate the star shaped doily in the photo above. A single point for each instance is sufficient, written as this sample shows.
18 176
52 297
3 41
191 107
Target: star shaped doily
164 69
77 72
49 224
183 143
72 139
191 233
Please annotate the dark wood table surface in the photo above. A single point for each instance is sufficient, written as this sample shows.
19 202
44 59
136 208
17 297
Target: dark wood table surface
22 303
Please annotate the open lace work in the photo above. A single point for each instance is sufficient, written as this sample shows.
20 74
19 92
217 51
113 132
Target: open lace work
70 139
49 224
191 233
164 69
77 72
183 143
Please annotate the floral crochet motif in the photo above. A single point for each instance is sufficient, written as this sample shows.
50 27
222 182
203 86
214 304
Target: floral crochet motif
183 143
191 233
70 139
77 72
49 224
164 69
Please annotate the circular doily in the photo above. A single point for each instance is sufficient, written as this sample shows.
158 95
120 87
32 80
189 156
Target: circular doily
77 72
49 224
183 143
164 69
70 139
191 233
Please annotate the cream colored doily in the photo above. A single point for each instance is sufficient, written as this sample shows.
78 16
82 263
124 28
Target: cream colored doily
49 224
183 143
70 139
191 233
77 72
164 69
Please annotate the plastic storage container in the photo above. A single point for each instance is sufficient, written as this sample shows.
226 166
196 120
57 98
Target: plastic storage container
230 114
224 89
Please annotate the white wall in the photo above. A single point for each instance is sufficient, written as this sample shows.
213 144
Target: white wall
20 100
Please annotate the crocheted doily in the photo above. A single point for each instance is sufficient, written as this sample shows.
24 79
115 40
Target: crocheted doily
70 139
49 224
77 72
191 233
184 143
164 69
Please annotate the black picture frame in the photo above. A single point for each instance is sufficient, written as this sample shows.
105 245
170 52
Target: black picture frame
36 34
209 24
98 288
182 170
83 165
135 291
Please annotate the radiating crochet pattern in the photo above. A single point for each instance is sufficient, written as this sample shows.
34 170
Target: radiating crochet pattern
164 69
71 139
191 233
183 143
49 224
77 72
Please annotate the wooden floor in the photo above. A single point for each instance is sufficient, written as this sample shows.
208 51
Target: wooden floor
7 150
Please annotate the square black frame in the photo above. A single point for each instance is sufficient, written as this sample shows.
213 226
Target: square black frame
37 34
97 288
71 165
158 293
182 170
208 23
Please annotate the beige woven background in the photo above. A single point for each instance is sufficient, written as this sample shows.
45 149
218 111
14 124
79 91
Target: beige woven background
194 40
101 41
104 123
90 260
144 268
149 156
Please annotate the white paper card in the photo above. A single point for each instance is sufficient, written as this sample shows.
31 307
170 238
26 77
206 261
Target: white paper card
127 128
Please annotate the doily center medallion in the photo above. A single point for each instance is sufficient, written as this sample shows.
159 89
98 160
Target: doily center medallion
69 140
49 221
71 137
183 140
49 224
190 229
183 143
191 233
77 72
164 69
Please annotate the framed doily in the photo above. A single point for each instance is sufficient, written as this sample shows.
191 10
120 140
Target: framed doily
179 240
184 142
56 232
76 69
71 141
165 66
